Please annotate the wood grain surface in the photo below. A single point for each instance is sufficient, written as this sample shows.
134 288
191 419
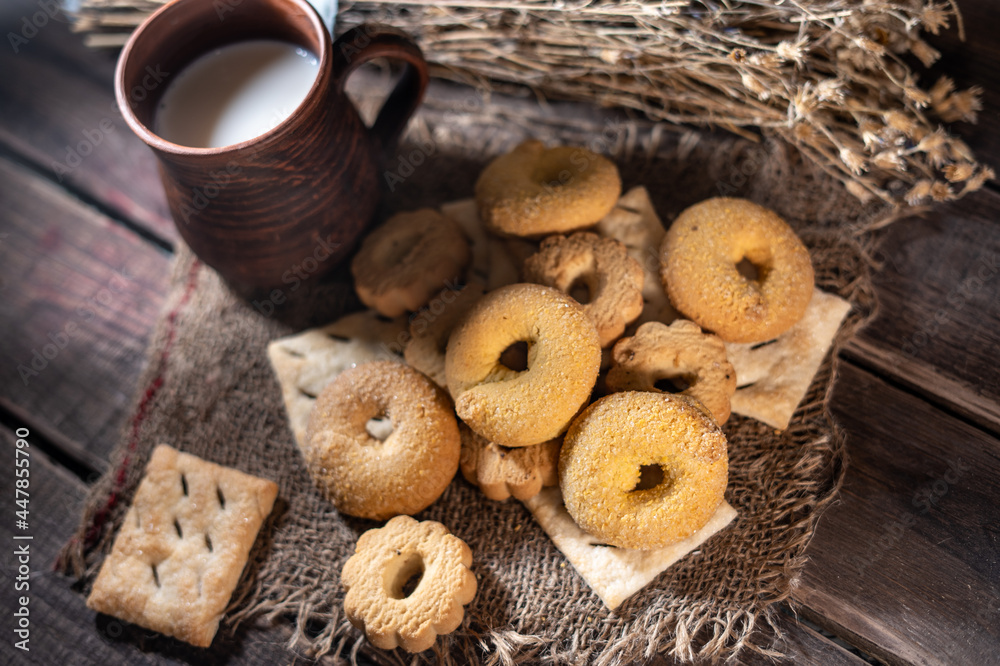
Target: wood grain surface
79 295
904 569
907 563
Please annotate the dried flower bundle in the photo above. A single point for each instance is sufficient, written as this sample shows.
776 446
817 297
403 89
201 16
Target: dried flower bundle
836 78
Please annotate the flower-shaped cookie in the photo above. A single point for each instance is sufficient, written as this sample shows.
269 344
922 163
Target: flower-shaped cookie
386 563
680 356
500 471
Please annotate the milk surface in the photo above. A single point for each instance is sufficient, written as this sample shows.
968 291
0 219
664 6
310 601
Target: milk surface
235 93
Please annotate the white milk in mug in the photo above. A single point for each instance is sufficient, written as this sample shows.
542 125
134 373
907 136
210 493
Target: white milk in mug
235 93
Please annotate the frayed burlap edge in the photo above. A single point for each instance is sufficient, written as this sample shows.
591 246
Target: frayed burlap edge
687 613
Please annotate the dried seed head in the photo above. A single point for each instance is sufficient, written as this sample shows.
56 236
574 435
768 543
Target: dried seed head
934 18
927 54
890 160
918 192
794 51
956 173
978 180
900 122
919 98
941 191
854 161
941 90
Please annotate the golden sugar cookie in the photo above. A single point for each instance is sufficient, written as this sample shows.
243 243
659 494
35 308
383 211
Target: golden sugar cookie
368 477
700 268
534 190
619 437
513 407
407 260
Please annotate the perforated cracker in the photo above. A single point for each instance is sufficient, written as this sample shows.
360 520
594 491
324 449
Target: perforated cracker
773 377
182 546
306 362
614 574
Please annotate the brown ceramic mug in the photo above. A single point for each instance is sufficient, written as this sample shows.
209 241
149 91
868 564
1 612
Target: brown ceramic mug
295 198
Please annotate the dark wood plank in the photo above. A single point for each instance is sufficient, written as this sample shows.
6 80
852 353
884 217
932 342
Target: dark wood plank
906 565
800 645
58 112
939 294
80 295
62 630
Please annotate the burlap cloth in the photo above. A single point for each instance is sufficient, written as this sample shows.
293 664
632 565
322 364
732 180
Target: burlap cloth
208 389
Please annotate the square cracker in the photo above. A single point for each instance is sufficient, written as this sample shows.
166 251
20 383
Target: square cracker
614 574
772 378
306 362
182 546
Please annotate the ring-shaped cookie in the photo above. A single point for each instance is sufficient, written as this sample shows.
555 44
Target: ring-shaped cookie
521 408
613 279
403 263
385 560
602 461
375 479
680 353
699 261
535 191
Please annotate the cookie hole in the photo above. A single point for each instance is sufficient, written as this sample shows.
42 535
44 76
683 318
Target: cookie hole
208 543
404 574
222 498
580 291
763 344
748 270
677 384
650 476
603 545
515 357
177 526
338 338
311 396
184 485
379 427
156 575
296 353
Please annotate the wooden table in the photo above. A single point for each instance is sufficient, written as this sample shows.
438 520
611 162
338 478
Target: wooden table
905 567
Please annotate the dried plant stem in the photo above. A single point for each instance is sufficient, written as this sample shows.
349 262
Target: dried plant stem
832 77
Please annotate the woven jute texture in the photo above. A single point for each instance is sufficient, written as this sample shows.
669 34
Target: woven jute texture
208 390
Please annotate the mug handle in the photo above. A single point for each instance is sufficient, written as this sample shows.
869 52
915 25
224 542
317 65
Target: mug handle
370 40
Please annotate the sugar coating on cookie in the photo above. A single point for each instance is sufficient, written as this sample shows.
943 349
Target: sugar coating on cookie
403 263
533 190
603 459
700 262
522 407
368 477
